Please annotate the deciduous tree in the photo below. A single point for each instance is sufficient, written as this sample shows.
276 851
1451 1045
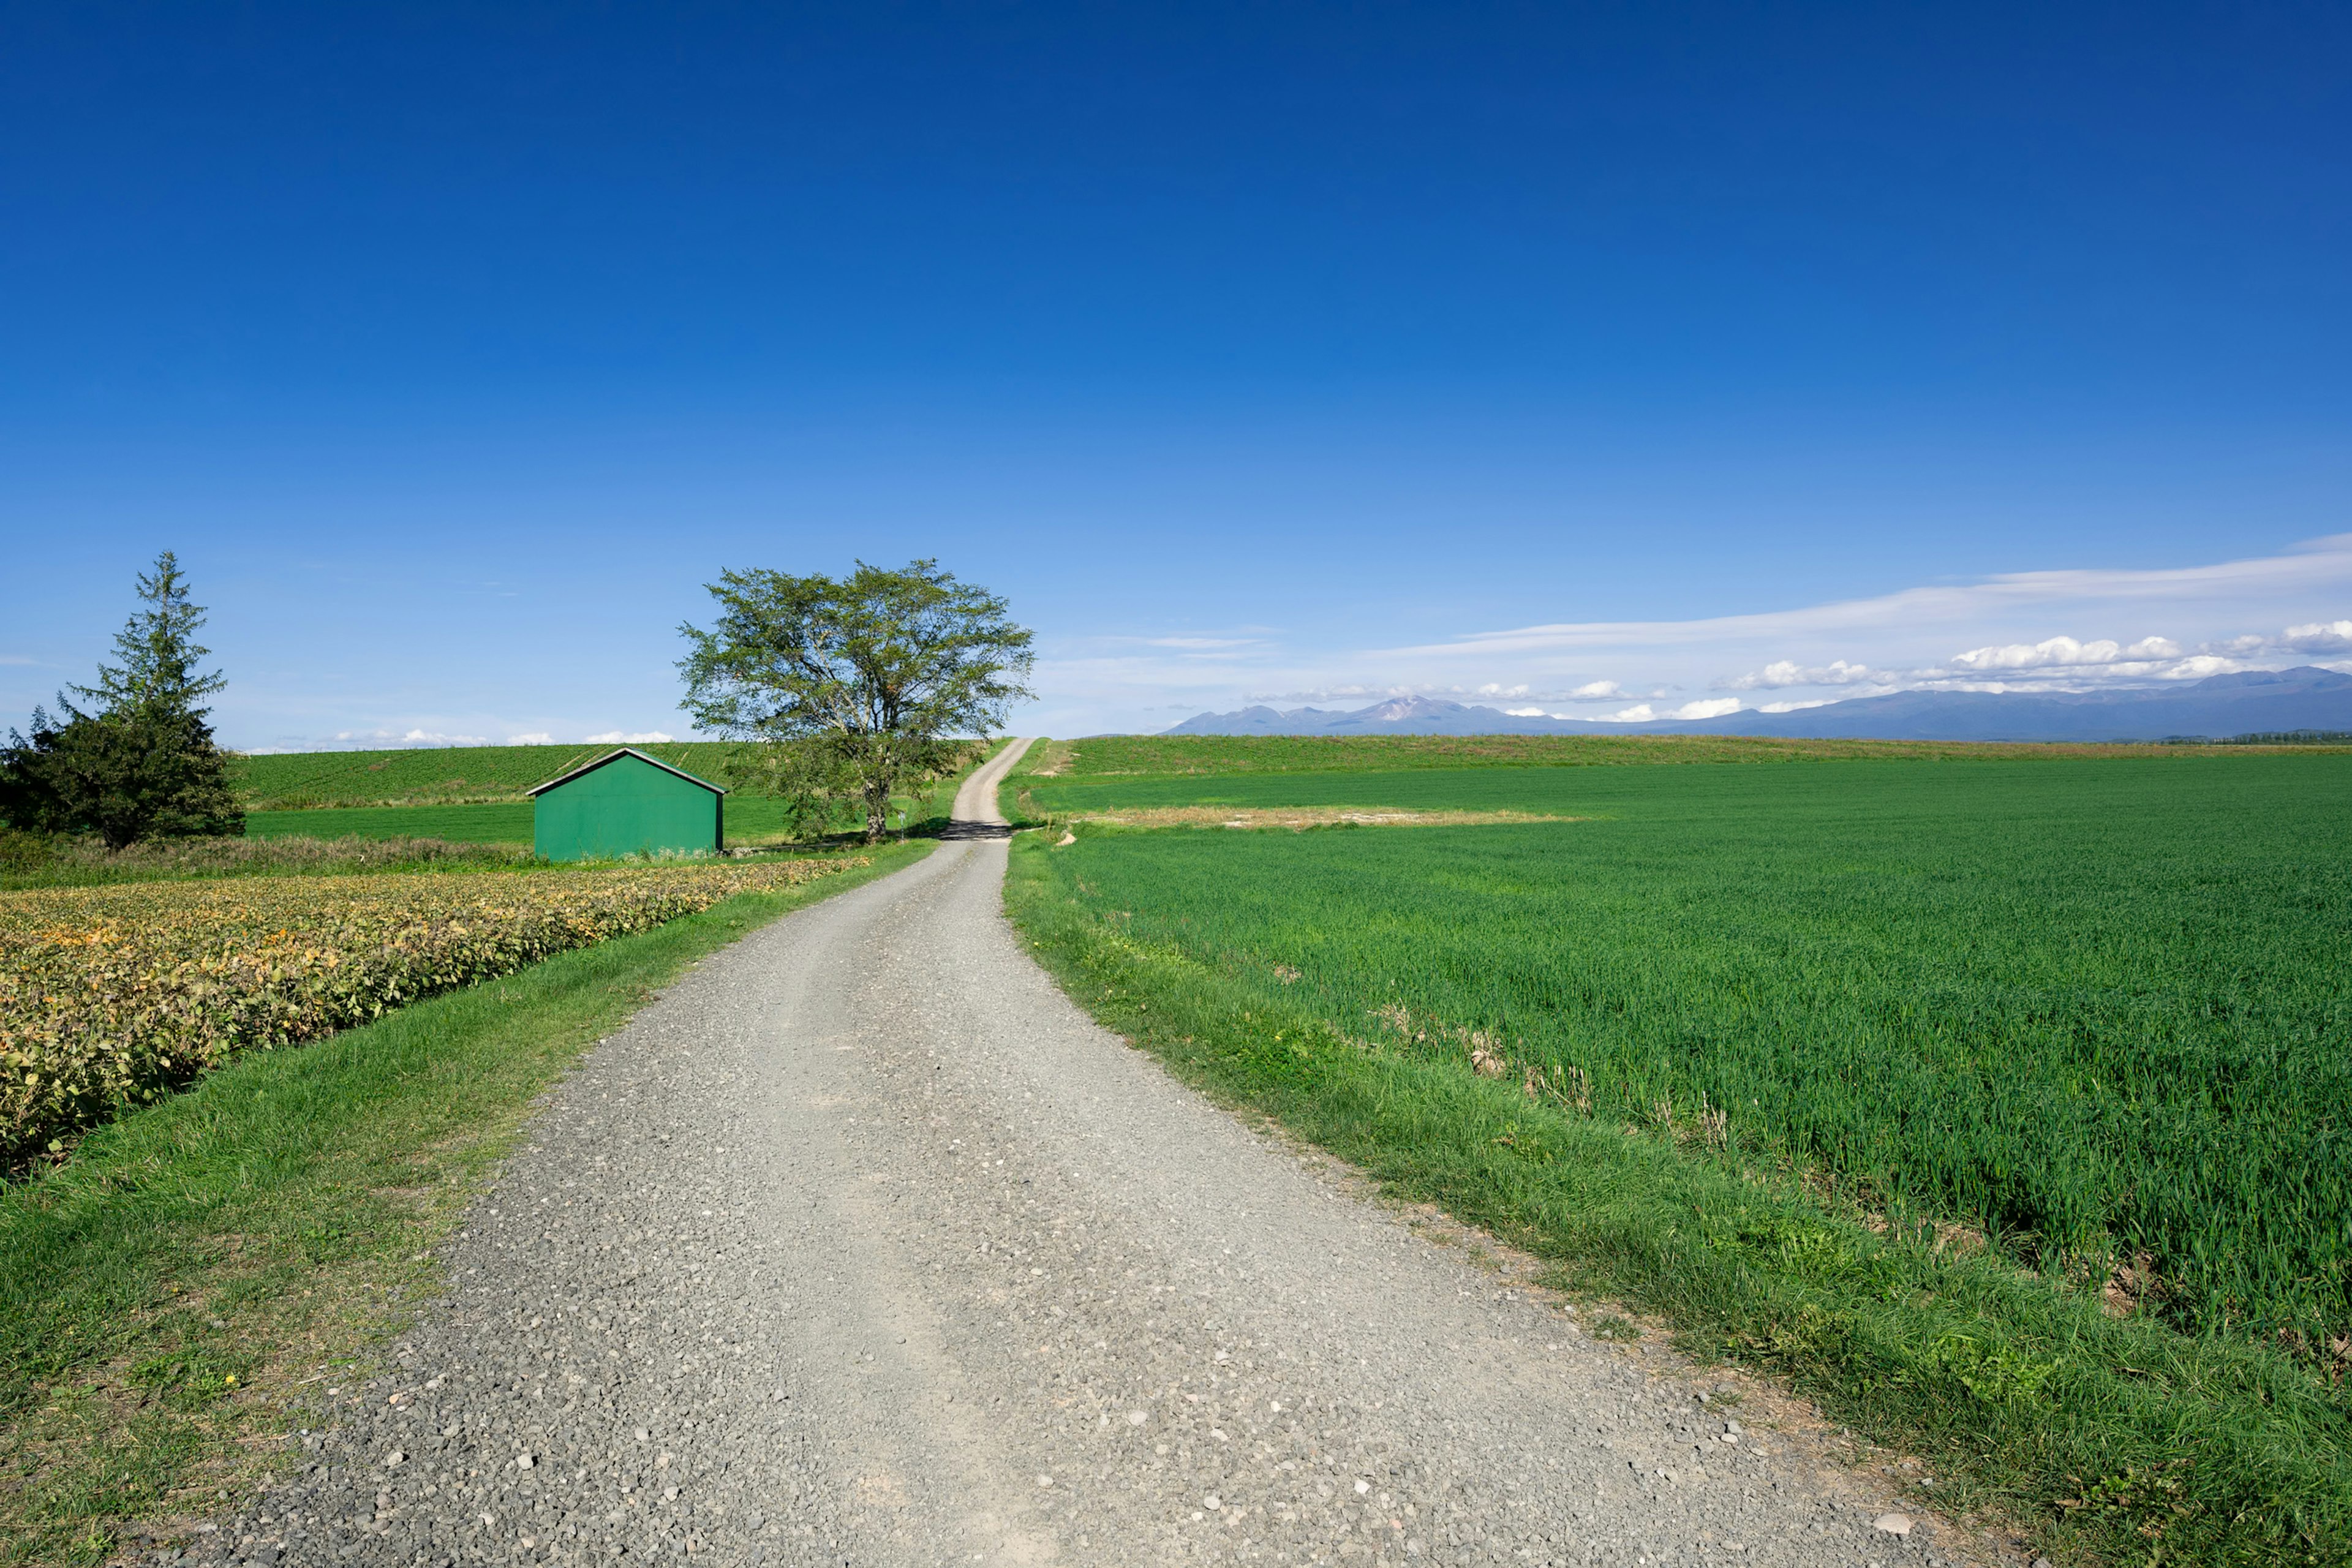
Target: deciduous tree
858 685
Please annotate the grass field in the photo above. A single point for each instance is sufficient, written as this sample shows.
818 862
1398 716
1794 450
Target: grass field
169 1298
2092 1012
447 776
489 823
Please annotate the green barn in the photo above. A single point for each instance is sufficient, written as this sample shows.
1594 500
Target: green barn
627 803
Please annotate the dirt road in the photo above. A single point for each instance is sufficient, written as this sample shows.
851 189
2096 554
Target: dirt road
862 1246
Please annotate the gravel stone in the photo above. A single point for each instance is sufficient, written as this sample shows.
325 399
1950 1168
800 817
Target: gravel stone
864 1245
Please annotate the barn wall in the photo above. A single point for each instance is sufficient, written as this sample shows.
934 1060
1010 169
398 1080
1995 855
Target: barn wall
628 806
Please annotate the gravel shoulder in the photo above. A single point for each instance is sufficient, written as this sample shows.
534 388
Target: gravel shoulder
864 1245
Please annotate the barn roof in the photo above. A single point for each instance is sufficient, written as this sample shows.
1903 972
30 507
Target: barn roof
614 755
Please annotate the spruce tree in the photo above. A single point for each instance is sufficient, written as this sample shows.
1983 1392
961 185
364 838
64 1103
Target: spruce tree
143 763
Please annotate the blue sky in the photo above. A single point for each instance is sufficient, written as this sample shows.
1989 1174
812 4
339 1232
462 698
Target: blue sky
1613 361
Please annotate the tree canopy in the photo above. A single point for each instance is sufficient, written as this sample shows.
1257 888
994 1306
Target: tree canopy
861 684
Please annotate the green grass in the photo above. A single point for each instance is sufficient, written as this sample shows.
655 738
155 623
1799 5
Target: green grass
489 824
2097 1012
276 1220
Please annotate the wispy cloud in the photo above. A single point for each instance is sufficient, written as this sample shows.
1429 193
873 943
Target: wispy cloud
2321 638
2070 629
2320 561
629 738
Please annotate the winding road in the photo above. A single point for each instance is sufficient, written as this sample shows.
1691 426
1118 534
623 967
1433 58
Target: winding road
862 1246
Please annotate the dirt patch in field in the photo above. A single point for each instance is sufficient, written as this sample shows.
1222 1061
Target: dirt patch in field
1300 817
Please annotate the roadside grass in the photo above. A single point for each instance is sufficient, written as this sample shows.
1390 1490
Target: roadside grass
184 1291
2113 1439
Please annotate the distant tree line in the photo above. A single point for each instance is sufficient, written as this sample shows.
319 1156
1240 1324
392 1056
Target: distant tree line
133 756
2266 738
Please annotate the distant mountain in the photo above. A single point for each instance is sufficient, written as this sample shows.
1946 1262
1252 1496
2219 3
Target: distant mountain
2266 701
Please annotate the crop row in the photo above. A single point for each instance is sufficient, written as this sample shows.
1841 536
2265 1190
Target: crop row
113 996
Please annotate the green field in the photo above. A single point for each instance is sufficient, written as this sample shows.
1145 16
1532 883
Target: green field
1894 1040
445 776
2100 1011
501 823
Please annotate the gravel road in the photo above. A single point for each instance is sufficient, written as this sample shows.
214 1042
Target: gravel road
862 1245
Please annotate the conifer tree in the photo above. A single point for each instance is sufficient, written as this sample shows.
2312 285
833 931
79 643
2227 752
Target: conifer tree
142 764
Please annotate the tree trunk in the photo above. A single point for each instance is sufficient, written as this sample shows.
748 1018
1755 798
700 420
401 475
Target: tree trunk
878 817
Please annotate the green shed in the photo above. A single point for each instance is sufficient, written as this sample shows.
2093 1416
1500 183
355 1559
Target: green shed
627 803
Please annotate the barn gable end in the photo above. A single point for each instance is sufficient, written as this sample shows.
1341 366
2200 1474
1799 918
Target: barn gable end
627 803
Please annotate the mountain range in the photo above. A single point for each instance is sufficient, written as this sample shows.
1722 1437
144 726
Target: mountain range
2254 703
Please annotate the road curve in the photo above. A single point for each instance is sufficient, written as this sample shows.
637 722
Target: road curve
862 1246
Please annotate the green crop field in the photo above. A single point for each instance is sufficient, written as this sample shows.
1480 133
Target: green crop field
2099 1010
2001 1107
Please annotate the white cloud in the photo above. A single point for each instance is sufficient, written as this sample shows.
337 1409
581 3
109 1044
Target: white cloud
536 738
632 738
398 738
1792 707
1527 712
2331 636
1643 712
1788 672
1596 691
2063 652
2319 636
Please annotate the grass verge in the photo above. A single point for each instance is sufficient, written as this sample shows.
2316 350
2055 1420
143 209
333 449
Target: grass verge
2106 1441
179 1294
